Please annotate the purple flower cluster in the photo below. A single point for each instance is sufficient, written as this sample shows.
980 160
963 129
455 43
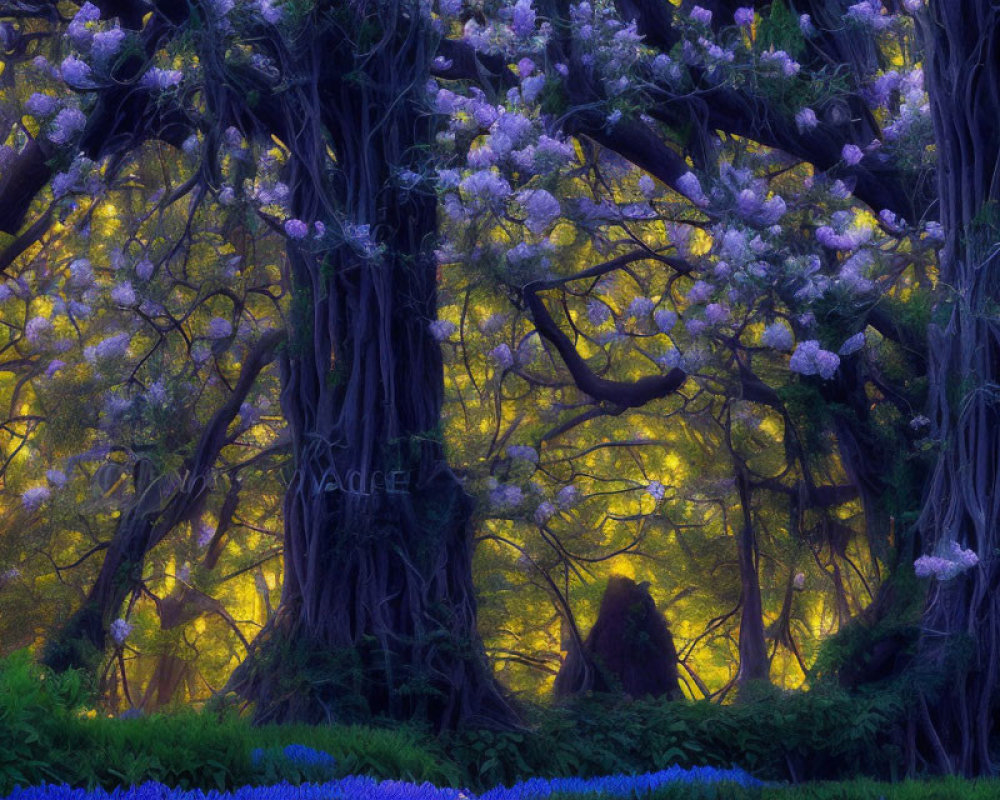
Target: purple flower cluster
161 79
955 561
33 498
353 787
120 630
523 452
506 496
780 60
810 359
502 356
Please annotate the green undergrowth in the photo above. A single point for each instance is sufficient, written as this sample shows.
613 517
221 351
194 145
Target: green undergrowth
48 734
776 736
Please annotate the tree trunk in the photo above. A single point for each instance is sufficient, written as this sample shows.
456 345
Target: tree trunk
378 611
754 663
960 642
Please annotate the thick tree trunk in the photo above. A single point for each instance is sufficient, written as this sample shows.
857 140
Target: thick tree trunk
378 611
960 643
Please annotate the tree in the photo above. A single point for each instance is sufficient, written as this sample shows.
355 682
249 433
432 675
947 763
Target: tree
377 582
961 638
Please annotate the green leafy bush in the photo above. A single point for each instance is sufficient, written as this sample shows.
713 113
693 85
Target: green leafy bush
797 736
47 734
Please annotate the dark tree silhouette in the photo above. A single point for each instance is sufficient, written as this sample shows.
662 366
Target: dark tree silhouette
629 649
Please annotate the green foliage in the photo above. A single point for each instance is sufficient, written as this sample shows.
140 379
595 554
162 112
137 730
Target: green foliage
773 734
32 704
850 651
47 735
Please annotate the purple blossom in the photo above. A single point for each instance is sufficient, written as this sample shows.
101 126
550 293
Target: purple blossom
656 490
56 477
695 326
486 185
120 630
828 237
665 320
955 561
505 497
36 329
78 31
827 364
597 312
567 497
700 292
41 105
219 328
744 17
68 122
869 13
502 356
204 534
269 12
532 87
33 498
689 185
647 186
161 79
852 154
701 15
782 61
747 203
113 347
935 231
670 358
442 329
523 452
640 307
778 336
296 228
772 210
890 220
523 18
144 269
806 26
551 153
493 323
123 294
76 73
810 359
545 511
54 366
839 190
805 119
106 45
716 314
541 207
